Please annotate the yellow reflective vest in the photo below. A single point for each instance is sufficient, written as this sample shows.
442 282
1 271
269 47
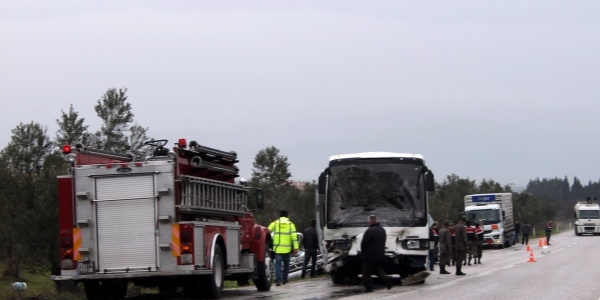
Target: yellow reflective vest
285 239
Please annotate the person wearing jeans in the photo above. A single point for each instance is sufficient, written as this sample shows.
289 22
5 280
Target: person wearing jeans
310 243
285 244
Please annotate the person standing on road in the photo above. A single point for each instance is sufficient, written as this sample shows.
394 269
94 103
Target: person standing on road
461 244
548 231
517 231
525 230
445 247
285 244
372 250
433 245
479 247
471 242
310 243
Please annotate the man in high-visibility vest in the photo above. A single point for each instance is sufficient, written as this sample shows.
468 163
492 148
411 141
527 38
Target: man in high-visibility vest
285 243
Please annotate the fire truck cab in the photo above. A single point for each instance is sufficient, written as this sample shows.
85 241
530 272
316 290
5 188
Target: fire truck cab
178 219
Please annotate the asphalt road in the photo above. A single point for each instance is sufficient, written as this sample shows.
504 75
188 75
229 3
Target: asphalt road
569 270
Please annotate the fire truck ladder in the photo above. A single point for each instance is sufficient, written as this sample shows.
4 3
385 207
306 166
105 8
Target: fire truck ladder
212 197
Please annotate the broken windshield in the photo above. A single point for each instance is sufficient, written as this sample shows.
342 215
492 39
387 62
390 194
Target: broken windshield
391 189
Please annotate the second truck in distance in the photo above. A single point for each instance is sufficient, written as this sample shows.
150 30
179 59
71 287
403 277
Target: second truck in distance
495 213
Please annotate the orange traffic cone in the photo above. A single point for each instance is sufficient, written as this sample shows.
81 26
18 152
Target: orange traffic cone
545 242
528 248
540 242
531 258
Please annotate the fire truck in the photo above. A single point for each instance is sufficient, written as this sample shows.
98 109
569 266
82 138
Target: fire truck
178 219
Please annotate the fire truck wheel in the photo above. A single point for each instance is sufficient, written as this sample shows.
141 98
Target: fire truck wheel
215 280
105 290
263 275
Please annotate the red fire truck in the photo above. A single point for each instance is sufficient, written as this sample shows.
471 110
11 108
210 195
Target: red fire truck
178 219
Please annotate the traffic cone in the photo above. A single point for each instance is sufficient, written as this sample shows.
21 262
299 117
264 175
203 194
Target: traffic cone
531 258
545 242
528 248
540 243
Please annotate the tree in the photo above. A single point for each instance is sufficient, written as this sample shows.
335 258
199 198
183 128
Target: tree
447 202
115 112
71 129
271 173
23 160
117 133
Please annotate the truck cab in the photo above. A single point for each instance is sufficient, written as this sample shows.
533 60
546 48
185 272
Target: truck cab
587 217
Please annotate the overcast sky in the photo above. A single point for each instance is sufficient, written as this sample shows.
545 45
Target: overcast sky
502 90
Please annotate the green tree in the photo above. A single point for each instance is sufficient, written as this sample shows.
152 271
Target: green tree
271 173
117 133
71 129
115 112
23 159
447 202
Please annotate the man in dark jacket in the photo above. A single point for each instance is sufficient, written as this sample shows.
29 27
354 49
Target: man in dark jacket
310 242
525 230
517 232
433 245
461 244
548 231
372 250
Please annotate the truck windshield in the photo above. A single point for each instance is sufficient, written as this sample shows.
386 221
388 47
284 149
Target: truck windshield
589 214
487 216
391 189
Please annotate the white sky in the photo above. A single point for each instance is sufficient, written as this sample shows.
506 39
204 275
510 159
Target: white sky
503 90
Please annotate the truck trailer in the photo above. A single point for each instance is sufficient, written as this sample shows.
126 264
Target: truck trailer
391 186
494 212
179 218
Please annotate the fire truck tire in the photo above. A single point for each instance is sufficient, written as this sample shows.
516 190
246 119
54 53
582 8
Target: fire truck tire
264 278
214 282
105 290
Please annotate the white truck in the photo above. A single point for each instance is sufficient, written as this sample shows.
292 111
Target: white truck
495 213
587 217
392 186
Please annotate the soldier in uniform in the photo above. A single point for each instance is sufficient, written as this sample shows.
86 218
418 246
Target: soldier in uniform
445 244
479 247
461 244
471 243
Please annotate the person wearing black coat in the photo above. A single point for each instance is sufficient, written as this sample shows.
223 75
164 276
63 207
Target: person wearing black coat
310 242
372 249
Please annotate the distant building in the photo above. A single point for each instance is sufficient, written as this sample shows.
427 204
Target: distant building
298 184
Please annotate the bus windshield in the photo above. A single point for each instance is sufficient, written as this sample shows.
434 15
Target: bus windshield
391 189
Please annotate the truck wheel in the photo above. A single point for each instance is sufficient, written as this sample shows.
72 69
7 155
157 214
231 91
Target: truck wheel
105 289
214 282
338 276
263 275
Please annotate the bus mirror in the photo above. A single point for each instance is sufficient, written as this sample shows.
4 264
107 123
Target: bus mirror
429 181
322 183
259 197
